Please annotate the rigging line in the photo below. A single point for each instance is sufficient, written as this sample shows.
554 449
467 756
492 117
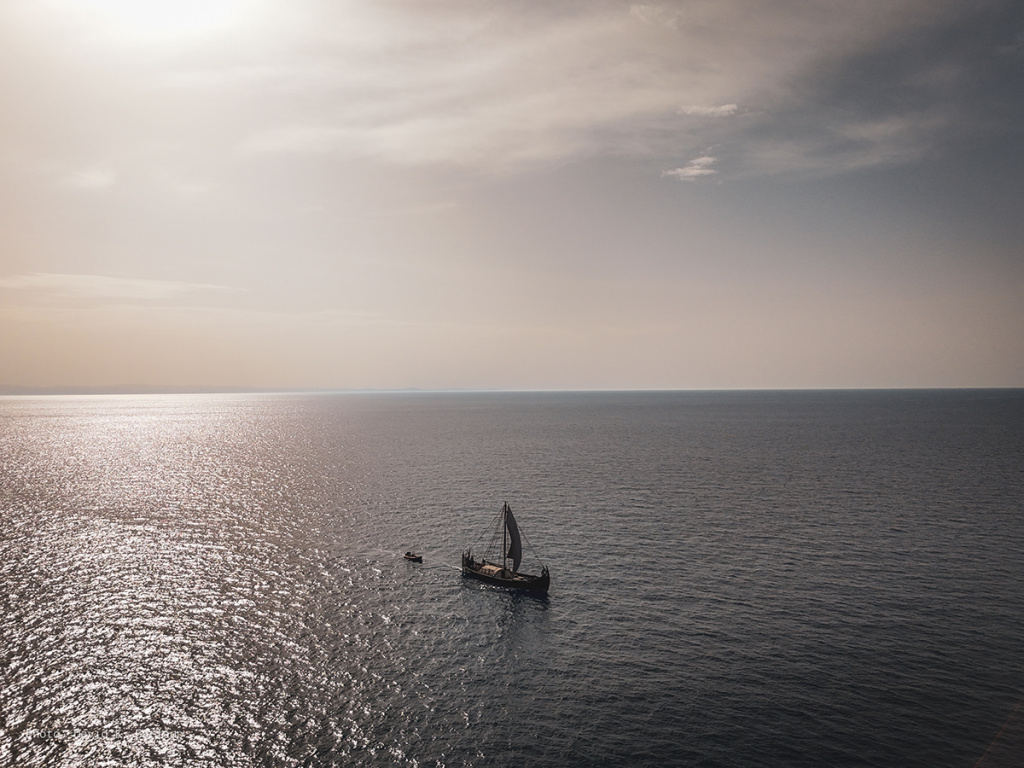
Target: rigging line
496 528
530 545
493 534
998 735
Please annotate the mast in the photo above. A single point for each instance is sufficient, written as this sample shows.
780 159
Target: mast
504 534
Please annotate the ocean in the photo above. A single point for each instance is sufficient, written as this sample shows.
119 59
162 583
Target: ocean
830 578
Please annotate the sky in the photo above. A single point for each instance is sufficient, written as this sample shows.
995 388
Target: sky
390 194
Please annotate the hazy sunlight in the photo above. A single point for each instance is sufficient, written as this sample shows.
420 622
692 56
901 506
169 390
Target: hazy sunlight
155 20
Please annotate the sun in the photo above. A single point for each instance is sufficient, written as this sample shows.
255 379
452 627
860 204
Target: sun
155 20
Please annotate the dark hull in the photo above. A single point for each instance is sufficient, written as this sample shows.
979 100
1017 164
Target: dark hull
414 559
490 573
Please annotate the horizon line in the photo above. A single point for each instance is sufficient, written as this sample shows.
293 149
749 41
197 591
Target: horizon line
64 391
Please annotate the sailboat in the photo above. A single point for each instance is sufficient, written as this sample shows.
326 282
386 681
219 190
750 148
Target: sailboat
511 554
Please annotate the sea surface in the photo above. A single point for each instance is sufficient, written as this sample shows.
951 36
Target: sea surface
738 579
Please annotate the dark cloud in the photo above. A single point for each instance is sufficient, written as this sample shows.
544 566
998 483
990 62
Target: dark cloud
928 88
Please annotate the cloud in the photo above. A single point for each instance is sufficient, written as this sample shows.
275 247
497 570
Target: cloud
723 111
655 15
484 89
503 88
897 99
89 179
695 169
298 139
69 286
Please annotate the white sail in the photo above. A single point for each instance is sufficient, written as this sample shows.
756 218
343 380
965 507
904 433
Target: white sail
515 543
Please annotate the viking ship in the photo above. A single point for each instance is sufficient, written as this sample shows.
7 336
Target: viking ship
506 573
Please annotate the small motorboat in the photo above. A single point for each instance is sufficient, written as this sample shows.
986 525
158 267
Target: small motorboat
413 558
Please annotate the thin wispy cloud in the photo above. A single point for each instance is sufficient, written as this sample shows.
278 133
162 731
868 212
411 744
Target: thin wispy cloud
89 179
697 168
99 287
299 139
698 111
655 15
